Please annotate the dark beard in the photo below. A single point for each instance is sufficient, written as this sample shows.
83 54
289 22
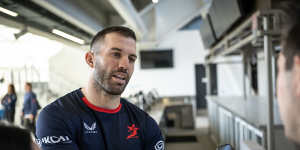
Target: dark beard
98 86
101 82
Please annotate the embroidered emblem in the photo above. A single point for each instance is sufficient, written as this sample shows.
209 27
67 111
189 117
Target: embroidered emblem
90 129
159 145
93 127
132 132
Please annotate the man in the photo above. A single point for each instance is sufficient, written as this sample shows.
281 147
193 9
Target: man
30 108
288 81
96 117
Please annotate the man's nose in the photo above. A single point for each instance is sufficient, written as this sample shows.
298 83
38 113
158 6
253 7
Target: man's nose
124 63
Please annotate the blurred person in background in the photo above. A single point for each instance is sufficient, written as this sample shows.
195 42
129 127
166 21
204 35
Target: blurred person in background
15 138
30 108
9 103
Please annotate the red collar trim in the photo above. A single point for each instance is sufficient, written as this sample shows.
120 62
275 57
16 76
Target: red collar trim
96 108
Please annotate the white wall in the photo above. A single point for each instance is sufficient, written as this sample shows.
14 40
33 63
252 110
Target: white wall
262 75
178 81
230 79
68 70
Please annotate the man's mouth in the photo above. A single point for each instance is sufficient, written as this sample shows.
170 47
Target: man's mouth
119 77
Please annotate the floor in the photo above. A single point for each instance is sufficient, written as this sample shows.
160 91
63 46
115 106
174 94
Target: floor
201 133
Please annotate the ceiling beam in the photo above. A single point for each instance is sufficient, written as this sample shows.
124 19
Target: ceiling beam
38 31
126 9
72 14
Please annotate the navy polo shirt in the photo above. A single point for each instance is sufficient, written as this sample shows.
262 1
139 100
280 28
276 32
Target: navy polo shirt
30 105
73 123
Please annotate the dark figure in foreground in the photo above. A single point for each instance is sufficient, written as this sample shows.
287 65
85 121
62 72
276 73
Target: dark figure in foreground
15 138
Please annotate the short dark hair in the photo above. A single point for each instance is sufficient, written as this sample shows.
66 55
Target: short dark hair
290 34
124 31
12 88
14 138
28 84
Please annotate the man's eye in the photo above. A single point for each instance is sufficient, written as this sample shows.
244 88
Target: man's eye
117 54
132 59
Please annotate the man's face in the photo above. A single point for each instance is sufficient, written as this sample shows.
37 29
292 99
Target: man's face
114 63
287 85
27 88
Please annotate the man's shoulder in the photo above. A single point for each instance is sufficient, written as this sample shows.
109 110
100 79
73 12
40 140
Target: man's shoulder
136 110
133 107
64 103
31 94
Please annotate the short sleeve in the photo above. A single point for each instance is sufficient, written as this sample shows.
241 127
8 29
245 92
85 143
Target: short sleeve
52 132
153 137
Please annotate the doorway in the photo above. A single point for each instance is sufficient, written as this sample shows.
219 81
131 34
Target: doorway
201 82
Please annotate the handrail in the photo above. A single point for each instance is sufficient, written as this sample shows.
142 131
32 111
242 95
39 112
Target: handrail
256 31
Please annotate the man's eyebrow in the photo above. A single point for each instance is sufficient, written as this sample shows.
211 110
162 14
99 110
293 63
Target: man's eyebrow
116 49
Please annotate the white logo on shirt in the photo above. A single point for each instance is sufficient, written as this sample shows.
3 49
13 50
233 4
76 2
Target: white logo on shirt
90 129
53 140
159 145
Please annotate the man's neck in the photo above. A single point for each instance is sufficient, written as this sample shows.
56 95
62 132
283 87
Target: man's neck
100 98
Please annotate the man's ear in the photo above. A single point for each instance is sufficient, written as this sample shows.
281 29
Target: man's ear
296 74
89 58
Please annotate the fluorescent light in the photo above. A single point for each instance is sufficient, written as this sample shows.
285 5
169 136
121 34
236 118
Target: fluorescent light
8 12
68 36
155 1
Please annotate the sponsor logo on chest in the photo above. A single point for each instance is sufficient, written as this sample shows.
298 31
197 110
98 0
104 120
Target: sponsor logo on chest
53 140
90 129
